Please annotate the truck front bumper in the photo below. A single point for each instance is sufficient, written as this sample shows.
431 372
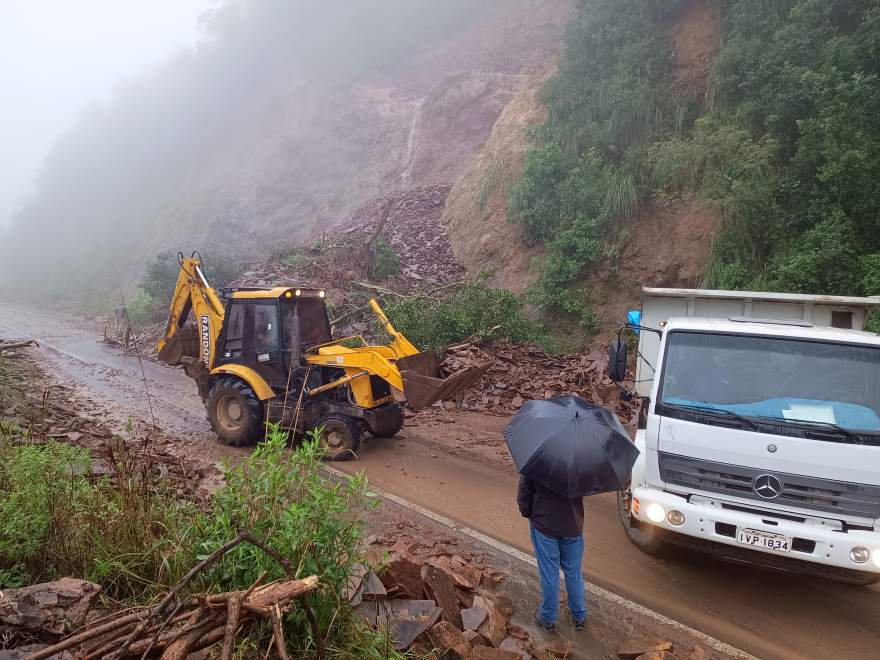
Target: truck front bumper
816 540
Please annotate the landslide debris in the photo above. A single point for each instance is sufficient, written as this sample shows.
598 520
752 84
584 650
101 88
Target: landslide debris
520 372
440 600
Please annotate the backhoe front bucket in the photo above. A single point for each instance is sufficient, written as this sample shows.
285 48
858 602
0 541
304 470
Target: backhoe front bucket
423 386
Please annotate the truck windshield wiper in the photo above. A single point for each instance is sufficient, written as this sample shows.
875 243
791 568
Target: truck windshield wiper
842 430
715 411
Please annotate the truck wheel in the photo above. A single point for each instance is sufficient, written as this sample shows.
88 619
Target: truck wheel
235 413
645 536
341 436
388 423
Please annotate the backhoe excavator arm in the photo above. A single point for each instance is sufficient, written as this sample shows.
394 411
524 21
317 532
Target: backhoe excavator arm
192 293
401 346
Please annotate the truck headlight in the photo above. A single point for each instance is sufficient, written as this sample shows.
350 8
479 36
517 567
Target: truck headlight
859 555
655 513
675 518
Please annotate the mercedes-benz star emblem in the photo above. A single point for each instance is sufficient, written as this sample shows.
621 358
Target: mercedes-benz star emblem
767 486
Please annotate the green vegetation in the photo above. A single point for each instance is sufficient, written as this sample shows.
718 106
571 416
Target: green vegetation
474 310
283 499
297 261
387 263
55 520
133 535
580 182
801 79
150 302
788 149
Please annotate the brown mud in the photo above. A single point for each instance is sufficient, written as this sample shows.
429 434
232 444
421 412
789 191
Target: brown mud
456 464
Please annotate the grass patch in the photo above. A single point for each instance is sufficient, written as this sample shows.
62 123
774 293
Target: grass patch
127 532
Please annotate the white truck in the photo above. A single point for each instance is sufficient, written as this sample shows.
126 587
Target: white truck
759 431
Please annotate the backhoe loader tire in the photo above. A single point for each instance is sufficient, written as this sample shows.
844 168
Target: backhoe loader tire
235 413
341 436
644 536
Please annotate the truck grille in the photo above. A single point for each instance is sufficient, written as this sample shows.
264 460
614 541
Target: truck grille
838 497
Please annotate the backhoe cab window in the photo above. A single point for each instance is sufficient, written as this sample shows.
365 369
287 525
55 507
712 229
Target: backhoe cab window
251 332
313 325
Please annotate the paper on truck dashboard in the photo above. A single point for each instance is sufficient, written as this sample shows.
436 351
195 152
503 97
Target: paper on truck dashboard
810 413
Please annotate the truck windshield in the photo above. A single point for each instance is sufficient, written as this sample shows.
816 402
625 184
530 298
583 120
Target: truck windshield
787 380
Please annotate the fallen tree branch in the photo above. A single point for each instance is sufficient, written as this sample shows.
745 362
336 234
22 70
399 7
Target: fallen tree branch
213 617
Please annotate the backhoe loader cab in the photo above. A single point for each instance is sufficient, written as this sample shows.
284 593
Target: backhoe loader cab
268 355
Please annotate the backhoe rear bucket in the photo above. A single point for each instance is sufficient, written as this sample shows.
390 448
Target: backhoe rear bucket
183 344
423 386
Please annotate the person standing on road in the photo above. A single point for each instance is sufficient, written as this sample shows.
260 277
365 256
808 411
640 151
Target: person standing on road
557 528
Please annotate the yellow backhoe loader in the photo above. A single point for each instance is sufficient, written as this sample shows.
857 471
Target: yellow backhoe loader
267 355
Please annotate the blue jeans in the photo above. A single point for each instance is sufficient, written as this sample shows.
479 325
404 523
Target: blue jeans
553 553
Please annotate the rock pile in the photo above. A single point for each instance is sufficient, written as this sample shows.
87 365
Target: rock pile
521 372
434 597
414 230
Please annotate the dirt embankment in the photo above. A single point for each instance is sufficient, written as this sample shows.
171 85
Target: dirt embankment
483 239
669 247
696 38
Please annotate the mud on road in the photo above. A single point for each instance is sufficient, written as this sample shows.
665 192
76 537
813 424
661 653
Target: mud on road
456 464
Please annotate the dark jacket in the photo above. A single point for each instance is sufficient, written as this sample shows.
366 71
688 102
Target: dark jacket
550 513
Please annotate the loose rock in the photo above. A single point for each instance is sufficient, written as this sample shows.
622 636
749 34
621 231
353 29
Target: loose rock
49 608
633 648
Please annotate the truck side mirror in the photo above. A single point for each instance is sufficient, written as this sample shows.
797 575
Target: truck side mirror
617 360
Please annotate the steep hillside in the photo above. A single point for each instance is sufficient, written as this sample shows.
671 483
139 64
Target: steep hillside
476 218
732 143
276 129
663 243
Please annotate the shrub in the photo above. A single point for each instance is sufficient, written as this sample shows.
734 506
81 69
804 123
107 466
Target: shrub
143 308
387 263
286 500
475 310
297 261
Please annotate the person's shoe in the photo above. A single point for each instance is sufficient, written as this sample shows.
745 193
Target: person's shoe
580 625
546 625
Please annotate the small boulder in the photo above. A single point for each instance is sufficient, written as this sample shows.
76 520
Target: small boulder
635 647
474 638
494 628
48 608
472 617
511 644
445 636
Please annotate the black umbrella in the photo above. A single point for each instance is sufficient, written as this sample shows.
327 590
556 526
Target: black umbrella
570 446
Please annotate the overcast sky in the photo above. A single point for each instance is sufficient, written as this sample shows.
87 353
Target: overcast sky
58 55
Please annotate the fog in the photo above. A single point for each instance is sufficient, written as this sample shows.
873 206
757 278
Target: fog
57 56
135 121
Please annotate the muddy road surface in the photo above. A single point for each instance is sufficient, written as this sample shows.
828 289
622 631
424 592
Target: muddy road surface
457 465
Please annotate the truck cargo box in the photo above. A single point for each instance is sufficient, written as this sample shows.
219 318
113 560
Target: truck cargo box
660 305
